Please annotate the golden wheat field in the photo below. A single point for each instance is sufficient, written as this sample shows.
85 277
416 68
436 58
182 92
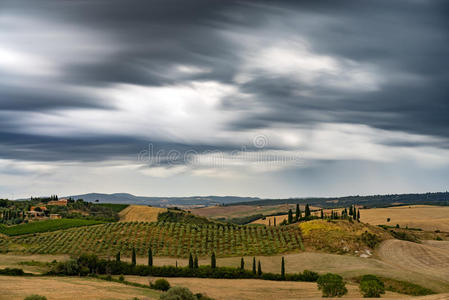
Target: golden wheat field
68 288
416 216
140 213
238 211
430 259
249 289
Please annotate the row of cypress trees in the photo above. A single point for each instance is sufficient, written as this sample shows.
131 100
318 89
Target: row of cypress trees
193 262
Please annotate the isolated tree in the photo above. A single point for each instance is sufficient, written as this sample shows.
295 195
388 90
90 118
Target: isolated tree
358 215
322 214
242 264
190 261
331 285
290 216
150 257
307 211
117 257
213 261
195 262
254 265
283 268
298 213
259 269
133 257
274 220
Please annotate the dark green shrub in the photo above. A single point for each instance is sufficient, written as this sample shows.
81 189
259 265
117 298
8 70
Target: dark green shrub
121 278
331 285
35 297
178 293
12 272
370 239
160 284
371 286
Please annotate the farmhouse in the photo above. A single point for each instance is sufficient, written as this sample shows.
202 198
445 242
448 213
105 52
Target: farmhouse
38 208
60 202
55 216
34 214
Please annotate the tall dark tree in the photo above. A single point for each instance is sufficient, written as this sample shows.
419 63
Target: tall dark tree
133 257
354 215
358 215
322 214
290 216
213 261
190 261
269 222
195 262
117 257
259 269
298 213
150 257
283 268
307 211
254 265
242 264
350 211
274 220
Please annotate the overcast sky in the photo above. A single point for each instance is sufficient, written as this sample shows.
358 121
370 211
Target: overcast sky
255 98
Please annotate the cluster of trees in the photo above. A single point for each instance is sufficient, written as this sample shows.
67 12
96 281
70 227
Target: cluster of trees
15 212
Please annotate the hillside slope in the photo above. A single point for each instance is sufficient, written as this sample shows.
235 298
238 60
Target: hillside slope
426 258
165 238
140 213
425 217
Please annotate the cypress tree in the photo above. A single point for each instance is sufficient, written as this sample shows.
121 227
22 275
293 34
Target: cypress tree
274 220
290 216
307 211
358 215
298 213
213 261
269 222
242 264
254 265
117 257
350 211
133 257
283 268
190 261
354 216
322 214
259 269
150 257
195 262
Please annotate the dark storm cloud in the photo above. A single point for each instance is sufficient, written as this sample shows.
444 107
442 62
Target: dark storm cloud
403 39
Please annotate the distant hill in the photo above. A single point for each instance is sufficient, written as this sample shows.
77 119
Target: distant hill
367 201
162 201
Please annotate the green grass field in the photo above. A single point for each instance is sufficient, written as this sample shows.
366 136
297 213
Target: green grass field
45 226
165 238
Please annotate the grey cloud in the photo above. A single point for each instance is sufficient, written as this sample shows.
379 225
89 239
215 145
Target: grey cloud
406 38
